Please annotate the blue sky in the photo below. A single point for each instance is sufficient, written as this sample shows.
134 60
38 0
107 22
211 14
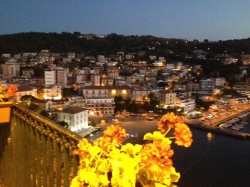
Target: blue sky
190 19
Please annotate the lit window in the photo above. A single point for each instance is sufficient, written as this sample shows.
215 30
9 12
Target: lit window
113 92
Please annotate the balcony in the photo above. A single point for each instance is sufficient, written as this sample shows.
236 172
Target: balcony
35 151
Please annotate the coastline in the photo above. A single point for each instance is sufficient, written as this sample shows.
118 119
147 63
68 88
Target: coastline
137 127
213 125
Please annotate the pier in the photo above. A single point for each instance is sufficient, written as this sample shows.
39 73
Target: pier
212 125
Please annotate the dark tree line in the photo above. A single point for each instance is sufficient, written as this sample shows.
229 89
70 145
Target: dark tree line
67 42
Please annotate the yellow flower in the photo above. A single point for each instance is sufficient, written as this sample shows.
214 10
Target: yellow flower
107 162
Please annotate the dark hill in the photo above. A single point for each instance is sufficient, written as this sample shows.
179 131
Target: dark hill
66 42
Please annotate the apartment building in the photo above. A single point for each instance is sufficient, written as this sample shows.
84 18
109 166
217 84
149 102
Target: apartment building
55 76
140 94
25 90
188 104
11 68
106 81
95 79
219 81
167 98
207 84
53 93
49 78
113 71
100 106
106 91
193 87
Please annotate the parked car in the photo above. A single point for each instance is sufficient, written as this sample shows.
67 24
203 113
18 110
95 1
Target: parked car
150 118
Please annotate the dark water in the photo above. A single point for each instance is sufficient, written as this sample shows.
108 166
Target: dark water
213 160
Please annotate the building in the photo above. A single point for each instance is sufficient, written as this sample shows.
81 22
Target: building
95 79
71 54
49 78
220 81
25 90
113 71
188 104
207 84
95 91
28 73
11 68
242 87
55 76
193 87
61 76
106 81
76 117
140 94
106 91
53 93
228 61
167 98
100 106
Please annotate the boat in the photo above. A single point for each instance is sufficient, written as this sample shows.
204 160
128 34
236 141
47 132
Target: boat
237 127
226 124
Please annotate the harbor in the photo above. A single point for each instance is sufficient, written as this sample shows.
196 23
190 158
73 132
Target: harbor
228 124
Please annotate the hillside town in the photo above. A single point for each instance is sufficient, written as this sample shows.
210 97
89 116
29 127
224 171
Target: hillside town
118 84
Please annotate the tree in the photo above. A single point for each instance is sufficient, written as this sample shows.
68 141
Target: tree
67 92
205 41
64 124
133 107
119 103
28 98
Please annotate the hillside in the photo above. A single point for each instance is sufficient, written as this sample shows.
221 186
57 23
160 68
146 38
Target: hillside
65 42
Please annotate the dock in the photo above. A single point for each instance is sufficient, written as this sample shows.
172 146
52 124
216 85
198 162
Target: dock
213 125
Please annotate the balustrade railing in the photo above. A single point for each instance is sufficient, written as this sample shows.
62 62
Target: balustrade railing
36 152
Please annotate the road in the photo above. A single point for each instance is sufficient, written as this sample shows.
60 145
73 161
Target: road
135 129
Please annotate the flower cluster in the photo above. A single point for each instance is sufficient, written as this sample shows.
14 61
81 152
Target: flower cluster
107 162
7 93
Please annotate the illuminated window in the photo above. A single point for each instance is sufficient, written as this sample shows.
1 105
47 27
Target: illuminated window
113 92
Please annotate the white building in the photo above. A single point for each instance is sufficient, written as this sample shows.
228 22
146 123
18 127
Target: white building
76 117
188 104
230 61
101 58
53 93
100 106
162 59
55 76
25 90
167 98
170 66
95 92
6 55
207 84
49 78
220 81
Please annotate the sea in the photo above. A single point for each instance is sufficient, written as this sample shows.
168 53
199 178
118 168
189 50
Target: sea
213 160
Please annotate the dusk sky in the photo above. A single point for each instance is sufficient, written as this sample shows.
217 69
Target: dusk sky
190 19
